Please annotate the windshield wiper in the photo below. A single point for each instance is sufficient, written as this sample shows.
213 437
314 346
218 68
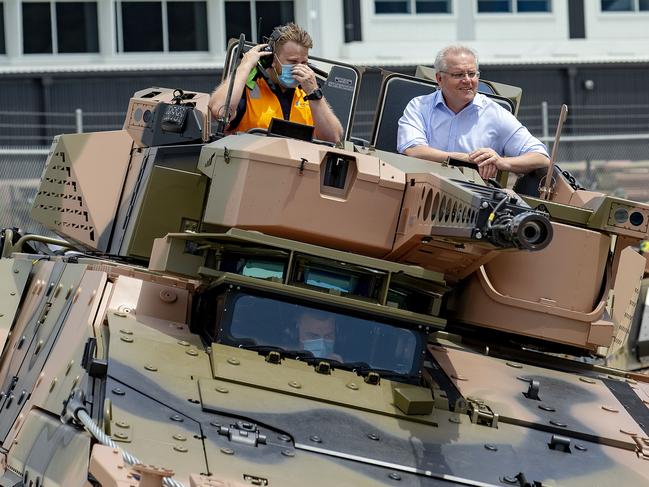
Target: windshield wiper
266 349
363 368
353 366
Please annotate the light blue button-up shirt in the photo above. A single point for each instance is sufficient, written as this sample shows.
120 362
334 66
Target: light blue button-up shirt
482 123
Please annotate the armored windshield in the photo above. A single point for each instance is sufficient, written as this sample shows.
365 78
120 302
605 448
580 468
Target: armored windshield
256 321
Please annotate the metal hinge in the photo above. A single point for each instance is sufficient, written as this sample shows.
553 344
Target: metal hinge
643 446
520 480
480 413
243 432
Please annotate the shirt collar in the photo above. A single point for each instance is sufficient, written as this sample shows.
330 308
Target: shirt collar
478 101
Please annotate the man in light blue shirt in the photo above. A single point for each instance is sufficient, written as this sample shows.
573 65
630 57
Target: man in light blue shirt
456 121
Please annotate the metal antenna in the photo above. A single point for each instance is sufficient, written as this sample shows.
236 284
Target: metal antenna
256 40
545 188
224 119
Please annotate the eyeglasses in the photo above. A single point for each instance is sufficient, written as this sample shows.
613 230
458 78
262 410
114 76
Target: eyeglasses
470 74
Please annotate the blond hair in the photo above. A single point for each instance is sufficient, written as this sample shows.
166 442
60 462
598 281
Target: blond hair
292 32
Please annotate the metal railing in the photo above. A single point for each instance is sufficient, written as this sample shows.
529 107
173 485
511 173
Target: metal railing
33 128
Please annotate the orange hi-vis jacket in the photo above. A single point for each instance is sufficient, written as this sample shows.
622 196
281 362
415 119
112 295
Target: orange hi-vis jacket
262 105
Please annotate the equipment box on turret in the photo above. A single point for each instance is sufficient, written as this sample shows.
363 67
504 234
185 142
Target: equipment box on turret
303 191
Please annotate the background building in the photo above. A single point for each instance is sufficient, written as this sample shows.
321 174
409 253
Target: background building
72 65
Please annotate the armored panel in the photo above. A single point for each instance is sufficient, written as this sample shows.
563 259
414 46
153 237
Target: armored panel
152 429
50 453
519 292
303 191
32 306
626 293
642 346
152 370
254 371
63 370
164 193
13 278
576 405
321 434
41 335
81 186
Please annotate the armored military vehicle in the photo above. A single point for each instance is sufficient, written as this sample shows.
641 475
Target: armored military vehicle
265 309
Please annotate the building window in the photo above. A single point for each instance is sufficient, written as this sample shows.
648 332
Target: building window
432 7
187 26
76 27
256 19
412 6
514 6
625 5
533 6
37 28
161 26
3 49
59 27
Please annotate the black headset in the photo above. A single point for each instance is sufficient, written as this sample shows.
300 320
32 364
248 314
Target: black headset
266 61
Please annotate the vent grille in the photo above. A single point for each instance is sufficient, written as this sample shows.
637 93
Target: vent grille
59 205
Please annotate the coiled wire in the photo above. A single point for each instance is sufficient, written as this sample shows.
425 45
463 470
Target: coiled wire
104 439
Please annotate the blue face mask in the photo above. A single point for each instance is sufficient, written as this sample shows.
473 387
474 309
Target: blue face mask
286 78
319 347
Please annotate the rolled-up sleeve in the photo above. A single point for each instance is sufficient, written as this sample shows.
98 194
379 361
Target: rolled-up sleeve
521 141
412 126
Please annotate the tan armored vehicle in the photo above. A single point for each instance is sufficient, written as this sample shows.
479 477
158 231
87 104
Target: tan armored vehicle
260 309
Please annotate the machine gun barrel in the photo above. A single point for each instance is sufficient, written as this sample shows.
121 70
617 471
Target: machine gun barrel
453 225
461 211
529 230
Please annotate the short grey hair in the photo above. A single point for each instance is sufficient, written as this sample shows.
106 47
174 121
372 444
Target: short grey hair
440 59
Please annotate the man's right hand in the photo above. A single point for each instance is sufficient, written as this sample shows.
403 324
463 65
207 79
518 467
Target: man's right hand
248 62
488 162
487 170
253 55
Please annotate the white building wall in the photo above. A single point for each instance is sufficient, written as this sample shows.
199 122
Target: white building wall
383 28
13 31
614 25
523 26
326 27
387 39
501 38
413 39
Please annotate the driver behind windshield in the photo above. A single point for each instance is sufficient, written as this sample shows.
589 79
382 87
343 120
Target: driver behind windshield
317 334
288 90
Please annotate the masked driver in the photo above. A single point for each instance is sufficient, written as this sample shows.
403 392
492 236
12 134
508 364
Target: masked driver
317 334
